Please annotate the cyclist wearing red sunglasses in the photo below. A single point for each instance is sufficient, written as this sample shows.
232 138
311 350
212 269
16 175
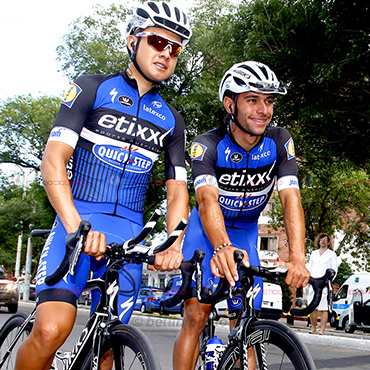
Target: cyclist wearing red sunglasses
97 165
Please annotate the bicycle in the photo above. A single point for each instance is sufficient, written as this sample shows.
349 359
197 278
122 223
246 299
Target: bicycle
103 335
275 345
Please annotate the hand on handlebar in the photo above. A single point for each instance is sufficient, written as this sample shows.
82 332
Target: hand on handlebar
297 276
223 264
167 260
95 245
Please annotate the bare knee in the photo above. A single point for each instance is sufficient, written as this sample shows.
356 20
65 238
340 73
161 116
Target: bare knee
195 316
54 321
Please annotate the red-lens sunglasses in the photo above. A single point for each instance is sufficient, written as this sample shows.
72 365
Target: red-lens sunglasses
161 43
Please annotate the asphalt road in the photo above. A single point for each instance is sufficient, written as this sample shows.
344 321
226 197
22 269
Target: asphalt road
335 350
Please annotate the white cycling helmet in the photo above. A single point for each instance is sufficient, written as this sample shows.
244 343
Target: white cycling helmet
159 14
250 76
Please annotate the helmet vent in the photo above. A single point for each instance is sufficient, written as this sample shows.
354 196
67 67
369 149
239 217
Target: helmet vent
142 13
172 26
178 15
263 69
251 70
166 9
153 6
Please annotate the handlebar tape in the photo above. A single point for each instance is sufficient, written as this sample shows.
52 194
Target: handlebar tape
148 227
71 239
187 269
40 232
172 237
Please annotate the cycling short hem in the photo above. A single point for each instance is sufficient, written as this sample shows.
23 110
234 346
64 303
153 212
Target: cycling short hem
56 295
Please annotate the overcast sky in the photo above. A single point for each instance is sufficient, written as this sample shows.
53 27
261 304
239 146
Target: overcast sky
30 32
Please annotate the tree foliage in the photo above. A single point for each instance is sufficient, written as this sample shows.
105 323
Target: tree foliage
25 123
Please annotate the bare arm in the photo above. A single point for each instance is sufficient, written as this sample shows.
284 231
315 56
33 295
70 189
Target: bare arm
290 199
57 187
177 208
222 264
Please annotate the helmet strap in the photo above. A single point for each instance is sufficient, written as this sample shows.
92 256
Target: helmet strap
233 118
133 60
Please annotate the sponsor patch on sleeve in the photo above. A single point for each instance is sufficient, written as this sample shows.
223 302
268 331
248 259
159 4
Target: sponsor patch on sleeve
197 151
64 135
287 182
289 146
71 95
203 180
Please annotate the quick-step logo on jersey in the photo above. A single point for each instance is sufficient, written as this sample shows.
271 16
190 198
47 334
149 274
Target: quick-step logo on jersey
246 203
71 95
118 157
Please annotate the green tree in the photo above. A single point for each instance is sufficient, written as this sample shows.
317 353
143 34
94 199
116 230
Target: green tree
20 211
25 123
335 197
344 271
321 50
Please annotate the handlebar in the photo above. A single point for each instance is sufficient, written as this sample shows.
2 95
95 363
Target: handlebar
129 251
79 237
222 291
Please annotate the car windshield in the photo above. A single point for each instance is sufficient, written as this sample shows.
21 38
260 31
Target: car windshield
3 274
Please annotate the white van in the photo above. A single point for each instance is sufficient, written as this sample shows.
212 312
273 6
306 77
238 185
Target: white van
358 281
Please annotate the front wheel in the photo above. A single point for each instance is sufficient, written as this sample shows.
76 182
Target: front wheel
348 328
162 310
126 348
271 345
333 320
7 335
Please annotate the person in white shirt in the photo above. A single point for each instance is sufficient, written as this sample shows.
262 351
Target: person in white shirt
320 260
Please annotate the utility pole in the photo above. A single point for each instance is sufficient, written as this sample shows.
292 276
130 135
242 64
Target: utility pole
27 278
18 256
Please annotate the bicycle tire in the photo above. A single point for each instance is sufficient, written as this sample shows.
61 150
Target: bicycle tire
7 334
276 346
131 350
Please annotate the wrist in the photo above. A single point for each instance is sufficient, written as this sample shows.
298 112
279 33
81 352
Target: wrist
222 246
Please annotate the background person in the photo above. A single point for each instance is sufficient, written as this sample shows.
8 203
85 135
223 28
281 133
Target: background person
235 169
322 259
97 164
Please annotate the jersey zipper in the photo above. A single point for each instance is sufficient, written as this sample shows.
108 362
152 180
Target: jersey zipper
243 199
131 142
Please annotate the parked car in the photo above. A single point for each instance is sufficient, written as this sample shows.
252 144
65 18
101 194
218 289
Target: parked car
272 303
357 315
170 290
148 299
359 281
9 292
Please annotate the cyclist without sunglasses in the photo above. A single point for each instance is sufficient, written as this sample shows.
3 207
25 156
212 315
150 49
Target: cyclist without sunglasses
235 168
97 164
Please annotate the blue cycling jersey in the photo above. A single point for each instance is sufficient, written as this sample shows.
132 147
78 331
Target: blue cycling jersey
245 180
117 135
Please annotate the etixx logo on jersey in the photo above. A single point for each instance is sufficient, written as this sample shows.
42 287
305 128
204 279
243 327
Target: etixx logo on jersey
71 95
130 160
